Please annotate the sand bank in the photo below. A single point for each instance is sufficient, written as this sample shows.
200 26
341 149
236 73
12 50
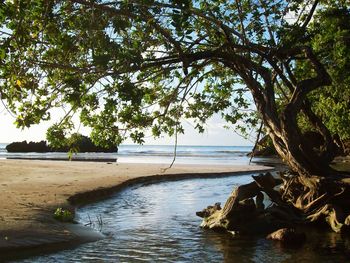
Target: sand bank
32 190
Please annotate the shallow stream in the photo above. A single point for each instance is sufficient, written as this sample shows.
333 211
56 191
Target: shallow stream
157 223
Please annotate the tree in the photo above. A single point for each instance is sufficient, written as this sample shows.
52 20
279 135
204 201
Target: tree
128 65
329 37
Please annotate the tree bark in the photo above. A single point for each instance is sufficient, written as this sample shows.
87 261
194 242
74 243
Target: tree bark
294 149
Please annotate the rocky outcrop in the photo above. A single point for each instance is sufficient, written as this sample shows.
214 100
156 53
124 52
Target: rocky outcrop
83 145
28 147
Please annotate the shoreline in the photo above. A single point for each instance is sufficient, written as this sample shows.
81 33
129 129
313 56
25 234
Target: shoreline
74 159
32 190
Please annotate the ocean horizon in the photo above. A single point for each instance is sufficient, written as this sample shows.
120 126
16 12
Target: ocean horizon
130 153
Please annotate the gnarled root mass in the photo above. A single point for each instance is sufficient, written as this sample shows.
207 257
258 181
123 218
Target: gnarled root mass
299 200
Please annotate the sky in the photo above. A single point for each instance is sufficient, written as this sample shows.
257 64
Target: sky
215 133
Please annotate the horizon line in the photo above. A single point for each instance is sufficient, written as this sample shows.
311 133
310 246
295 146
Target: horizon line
130 144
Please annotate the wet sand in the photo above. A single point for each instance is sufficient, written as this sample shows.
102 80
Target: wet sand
31 190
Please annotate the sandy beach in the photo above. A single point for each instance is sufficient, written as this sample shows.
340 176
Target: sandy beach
32 190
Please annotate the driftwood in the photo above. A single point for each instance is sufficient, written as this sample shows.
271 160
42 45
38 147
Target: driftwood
262 182
241 213
288 236
299 200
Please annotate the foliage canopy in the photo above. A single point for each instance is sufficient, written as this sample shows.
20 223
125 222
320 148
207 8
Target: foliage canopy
128 65
330 38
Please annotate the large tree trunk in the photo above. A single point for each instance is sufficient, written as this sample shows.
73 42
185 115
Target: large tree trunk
302 156
312 193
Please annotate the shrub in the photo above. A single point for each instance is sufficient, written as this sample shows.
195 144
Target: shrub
63 215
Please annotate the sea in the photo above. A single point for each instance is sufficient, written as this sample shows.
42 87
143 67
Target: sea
164 154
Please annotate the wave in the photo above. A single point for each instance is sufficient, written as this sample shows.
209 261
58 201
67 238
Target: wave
3 147
184 154
151 154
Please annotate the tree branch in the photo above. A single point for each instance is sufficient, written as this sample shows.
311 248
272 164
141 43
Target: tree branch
311 13
305 86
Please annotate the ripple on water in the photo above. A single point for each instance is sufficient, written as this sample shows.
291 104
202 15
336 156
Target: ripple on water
157 223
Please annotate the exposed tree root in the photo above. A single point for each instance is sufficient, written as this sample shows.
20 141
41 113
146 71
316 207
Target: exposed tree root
299 200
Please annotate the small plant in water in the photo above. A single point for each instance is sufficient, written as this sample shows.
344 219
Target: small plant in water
63 215
92 224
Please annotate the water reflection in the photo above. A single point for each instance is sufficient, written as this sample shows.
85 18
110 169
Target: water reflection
157 223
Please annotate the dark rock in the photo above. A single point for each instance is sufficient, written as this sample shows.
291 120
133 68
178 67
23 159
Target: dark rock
85 144
28 147
288 236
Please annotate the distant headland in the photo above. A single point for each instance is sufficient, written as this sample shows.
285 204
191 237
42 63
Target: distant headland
84 144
